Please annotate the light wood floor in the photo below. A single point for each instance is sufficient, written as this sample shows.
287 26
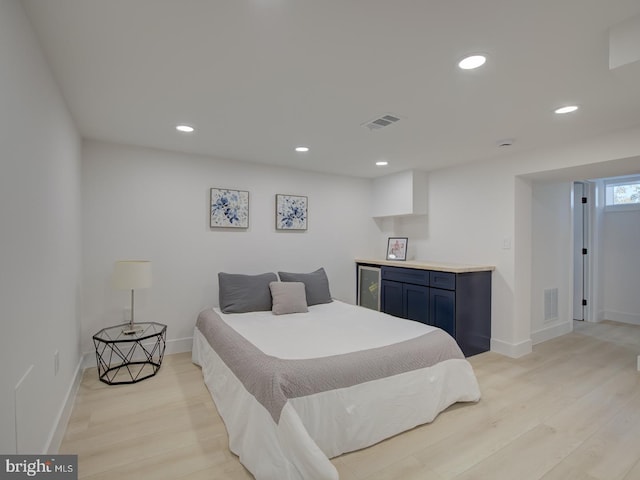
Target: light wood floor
568 411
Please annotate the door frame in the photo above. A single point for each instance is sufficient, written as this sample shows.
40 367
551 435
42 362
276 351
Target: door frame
591 235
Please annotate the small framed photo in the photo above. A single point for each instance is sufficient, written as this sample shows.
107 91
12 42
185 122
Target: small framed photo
397 248
229 208
291 212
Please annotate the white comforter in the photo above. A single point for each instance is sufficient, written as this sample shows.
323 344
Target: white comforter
327 329
317 427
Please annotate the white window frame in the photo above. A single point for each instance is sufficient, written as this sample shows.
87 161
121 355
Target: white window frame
613 182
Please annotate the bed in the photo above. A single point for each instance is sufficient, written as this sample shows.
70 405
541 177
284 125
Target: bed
297 388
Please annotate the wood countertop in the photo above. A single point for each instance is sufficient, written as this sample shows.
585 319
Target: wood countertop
429 265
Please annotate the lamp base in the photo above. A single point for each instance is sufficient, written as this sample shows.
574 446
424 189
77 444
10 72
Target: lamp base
131 329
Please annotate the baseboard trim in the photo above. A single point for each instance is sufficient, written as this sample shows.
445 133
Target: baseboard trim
57 433
179 345
551 332
621 317
512 350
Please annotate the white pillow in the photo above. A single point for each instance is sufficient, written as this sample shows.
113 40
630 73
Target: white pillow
288 297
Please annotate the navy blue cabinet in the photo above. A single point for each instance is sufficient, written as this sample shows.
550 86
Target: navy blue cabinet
442 310
405 293
392 299
458 303
405 300
416 300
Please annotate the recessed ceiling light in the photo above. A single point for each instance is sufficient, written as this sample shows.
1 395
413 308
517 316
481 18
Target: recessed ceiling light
382 163
185 128
567 109
472 61
302 149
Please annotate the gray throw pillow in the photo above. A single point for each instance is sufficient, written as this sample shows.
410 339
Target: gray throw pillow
245 293
316 285
288 297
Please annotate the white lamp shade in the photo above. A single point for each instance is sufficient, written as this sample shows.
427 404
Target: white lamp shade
131 274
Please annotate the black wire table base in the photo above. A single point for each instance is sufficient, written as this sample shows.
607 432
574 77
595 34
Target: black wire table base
124 359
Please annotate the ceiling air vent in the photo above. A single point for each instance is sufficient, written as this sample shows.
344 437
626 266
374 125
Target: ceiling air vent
381 122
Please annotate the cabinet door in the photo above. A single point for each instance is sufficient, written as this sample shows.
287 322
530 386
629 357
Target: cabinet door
369 287
391 298
442 310
473 312
416 300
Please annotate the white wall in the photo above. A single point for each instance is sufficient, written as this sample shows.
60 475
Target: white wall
470 215
148 204
142 203
620 252
40 240
551 247
475 208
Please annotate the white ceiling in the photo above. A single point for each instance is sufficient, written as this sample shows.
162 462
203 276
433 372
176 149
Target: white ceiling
259 77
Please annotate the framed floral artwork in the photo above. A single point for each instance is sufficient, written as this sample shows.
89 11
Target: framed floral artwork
291 212
397 248
229 208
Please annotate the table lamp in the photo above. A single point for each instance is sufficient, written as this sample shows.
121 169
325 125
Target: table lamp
130 275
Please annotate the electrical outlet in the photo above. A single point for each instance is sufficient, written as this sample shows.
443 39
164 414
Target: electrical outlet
126 314
56 362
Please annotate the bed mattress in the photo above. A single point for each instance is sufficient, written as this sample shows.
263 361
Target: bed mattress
295 390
